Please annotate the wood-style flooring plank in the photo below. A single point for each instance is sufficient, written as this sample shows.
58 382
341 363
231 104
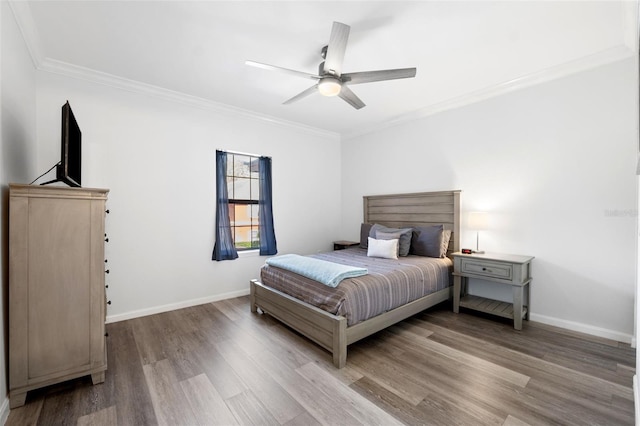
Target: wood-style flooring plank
124 377
147 333
359 408
467 391
230 310
248 409
27 415
105 417
282 405
514 421
304 419
169 402
320 405
224 379
460 358
206 403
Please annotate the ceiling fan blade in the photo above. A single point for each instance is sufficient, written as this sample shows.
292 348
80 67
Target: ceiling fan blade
370 76
284 70
302 94
350 97
336 48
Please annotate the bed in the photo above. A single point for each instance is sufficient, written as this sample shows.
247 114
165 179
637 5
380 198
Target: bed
335 332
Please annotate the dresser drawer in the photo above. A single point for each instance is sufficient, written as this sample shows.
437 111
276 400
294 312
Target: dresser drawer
503 271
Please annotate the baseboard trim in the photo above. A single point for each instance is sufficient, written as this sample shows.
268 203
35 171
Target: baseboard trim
556 322
173 306
582 328
4 411
636 401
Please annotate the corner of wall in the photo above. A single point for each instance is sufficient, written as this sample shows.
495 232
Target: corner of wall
4 411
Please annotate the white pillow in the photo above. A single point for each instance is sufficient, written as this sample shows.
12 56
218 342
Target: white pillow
387 249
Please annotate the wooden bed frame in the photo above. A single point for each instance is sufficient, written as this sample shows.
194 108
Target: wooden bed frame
331 331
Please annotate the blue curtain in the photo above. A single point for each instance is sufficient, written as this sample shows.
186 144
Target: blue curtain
224 249
268 244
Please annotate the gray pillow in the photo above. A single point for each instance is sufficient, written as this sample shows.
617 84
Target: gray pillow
365 228
427 241
405 237
374 228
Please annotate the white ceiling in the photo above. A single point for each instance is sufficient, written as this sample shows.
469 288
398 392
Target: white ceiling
463 50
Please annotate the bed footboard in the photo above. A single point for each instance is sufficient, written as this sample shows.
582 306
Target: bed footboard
327 330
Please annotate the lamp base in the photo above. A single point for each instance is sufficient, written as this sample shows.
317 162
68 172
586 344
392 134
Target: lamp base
478 244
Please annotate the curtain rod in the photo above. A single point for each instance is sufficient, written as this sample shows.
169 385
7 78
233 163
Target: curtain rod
243 153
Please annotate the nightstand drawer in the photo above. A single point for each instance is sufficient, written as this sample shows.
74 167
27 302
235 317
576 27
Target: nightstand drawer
488 269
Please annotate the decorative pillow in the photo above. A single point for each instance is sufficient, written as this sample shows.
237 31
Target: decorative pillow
388 236
365 228
381 235
387 249
374 228
372 233
446 236
427 241
405 237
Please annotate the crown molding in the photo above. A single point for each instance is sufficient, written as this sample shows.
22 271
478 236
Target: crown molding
22 14
614 54
628 49
608 56
98 77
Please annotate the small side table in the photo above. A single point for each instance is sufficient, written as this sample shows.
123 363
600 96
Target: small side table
342 244
514 270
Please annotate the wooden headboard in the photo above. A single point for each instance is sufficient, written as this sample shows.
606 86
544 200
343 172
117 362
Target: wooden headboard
417 209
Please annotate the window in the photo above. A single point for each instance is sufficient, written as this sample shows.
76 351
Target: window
243 186
244 213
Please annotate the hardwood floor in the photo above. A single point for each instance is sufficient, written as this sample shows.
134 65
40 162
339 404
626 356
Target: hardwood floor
219 364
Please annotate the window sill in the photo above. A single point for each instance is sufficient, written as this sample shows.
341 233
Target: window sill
249 253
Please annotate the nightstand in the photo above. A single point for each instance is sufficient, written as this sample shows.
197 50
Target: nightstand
341 245
513 270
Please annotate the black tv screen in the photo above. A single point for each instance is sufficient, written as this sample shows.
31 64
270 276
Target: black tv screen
70 169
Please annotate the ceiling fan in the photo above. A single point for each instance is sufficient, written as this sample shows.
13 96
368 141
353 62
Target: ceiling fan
330 79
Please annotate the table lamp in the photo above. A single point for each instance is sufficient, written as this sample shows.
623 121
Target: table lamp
478 221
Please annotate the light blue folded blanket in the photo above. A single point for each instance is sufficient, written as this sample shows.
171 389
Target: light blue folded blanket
328 273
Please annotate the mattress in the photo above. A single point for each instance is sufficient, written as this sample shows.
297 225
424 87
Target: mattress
390 283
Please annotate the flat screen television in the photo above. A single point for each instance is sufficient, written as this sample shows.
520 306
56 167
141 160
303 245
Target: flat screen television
69 169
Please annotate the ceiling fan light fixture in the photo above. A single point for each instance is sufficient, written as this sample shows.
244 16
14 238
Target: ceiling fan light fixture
329 86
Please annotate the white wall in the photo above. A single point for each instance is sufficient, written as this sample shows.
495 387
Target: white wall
18 104
554 165
17 151
158 159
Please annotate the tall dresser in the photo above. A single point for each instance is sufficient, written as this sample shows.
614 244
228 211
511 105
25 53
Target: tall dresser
56 286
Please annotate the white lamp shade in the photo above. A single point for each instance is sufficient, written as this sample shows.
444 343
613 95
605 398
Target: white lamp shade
478 221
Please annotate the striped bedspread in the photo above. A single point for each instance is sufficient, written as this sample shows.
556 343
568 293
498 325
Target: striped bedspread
389 284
